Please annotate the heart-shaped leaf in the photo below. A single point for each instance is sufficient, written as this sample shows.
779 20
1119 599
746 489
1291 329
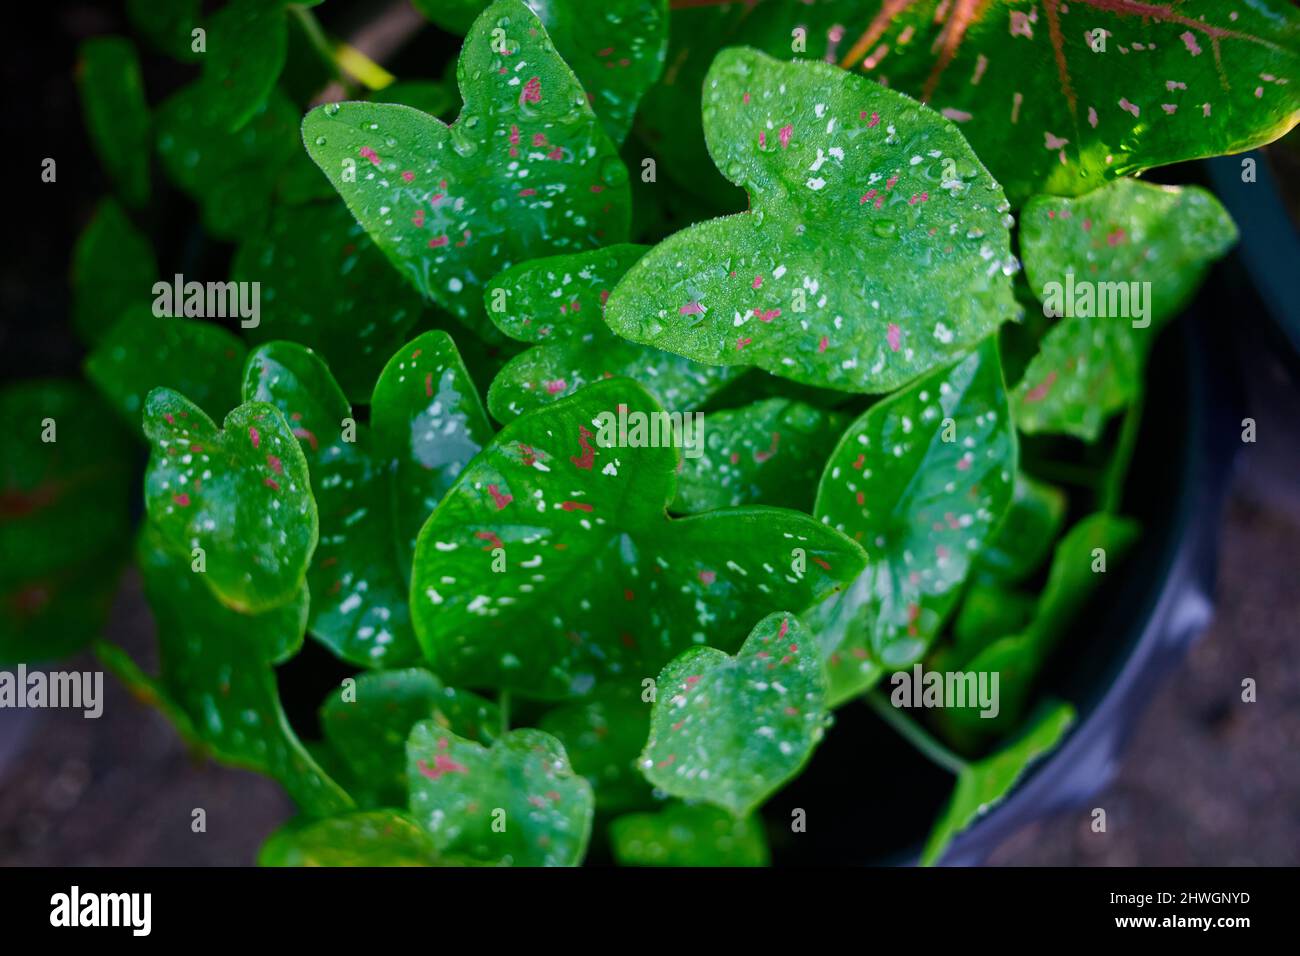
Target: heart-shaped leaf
559 301
771 452
922 481
517 802
241 493
616 47
365 838
1116 264
113 270
367 724
525 168
65 479
117 116
985 783
875 247
143 352
685 835
603 736
1025 537
246 47
325 285
551 563
1055 97
232 176
731 730
216 666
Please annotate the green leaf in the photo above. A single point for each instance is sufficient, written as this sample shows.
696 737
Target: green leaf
922 481
428 421
603 736
365 838
216 666
1117 264
985 783
770 452
367 724
167 24
143 352
246 48
326 286
63 517
987 612
427 96
1019 657
113 270
241 493
232 177
616 47
731 730
117 116
1025 537
453 206
682 835
852 187
1043 110
559 301
597 581
517 802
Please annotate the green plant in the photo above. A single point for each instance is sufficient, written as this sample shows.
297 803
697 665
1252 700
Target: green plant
565 629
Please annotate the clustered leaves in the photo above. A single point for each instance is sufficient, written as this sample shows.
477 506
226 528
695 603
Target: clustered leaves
577 623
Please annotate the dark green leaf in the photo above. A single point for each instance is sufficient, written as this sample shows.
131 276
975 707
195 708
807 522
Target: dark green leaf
246 46
143 352
113 270
241 493
682 835
875 248
731 730
1117 264
366 838
517 802
167 24
427 96
922 481
771 452
595 581
985 783
525 169
117 116
603 736
1026 536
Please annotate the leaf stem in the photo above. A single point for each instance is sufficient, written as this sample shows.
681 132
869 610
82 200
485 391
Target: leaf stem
915 734
344 58
1112 486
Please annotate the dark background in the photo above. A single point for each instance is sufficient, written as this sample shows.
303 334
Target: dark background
1206 780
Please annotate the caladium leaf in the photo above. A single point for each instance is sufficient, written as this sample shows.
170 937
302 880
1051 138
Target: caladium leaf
1116 264
688 835
65 479
117 116
851 185
559 301
525 168
216 666
771 452
364 838
429 422
922 480
367 724
232 176
113 270
241 493
246 47
603 736
517 802
560 497
985 783
1025 537
143 352
167 24
1123 85
616 47
325 285
731 730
